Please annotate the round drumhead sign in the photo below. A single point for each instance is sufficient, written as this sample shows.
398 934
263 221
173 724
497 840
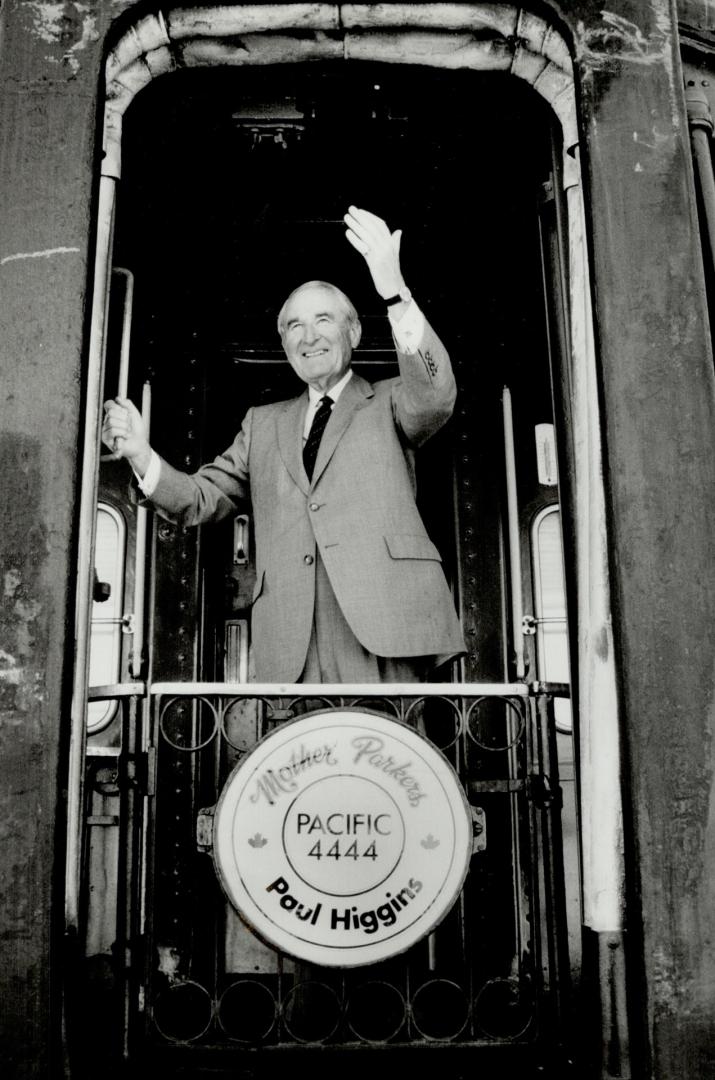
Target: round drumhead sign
343 837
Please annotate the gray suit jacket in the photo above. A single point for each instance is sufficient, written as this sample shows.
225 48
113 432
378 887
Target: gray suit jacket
358 514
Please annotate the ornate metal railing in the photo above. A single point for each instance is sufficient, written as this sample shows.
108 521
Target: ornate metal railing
494 971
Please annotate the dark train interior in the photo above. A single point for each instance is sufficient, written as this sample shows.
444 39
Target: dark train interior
234 188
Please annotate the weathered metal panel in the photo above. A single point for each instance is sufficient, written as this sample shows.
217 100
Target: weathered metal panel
49 65
659 405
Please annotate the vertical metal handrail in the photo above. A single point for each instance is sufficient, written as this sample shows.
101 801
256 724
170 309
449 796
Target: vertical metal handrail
136 658
127 313
517 602
85 549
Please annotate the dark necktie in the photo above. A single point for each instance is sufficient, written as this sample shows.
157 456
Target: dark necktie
310 450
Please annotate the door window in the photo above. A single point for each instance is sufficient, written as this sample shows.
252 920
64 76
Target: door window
552 653
106 626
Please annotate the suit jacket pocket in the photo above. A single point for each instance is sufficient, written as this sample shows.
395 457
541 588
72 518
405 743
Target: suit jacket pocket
411 546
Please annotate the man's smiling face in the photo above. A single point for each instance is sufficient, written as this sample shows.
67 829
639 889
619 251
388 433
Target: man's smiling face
318 336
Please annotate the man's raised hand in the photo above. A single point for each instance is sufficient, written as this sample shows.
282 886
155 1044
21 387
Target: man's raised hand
380 248
124 432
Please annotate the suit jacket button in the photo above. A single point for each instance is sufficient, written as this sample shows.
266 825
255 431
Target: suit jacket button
314 506
308 560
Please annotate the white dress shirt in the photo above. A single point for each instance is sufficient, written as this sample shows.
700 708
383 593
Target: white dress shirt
407 330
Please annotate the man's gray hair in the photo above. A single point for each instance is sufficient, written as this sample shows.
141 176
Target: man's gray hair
348 308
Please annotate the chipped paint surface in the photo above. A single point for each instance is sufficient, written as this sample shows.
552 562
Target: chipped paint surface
168 961
618 39
12 579
10 672
70 25
615 42
39 254
20 687
47 19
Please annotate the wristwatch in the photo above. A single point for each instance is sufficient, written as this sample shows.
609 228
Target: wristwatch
403 294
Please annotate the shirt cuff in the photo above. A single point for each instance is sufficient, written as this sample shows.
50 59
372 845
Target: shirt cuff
147 483
408 329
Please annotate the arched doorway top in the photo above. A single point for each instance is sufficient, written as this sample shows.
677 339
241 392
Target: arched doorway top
480 37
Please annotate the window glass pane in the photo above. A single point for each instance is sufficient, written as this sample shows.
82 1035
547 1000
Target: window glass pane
106 627
550 602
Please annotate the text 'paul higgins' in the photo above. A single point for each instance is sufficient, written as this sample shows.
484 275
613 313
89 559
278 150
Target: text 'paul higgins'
347 918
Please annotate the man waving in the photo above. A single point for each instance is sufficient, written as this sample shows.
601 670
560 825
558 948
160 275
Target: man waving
349 586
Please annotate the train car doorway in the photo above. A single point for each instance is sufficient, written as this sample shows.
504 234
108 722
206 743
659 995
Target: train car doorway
233 191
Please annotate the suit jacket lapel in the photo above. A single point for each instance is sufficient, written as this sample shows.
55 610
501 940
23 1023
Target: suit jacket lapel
290 439
353 397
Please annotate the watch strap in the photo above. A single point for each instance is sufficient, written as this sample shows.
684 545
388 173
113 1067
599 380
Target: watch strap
403 294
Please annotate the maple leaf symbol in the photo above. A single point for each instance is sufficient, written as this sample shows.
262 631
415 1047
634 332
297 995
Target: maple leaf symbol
257 840
429 842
